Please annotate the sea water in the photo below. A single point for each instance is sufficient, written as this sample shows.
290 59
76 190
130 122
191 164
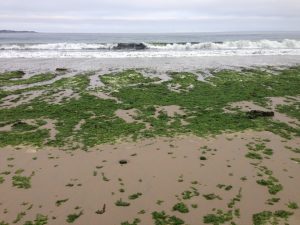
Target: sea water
84 45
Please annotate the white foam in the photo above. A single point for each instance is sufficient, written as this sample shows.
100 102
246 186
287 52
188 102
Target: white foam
86 50
56 46
143 54
242 44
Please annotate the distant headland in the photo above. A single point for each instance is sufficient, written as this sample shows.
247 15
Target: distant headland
15 31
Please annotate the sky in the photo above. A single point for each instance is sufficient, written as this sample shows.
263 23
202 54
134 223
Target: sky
140 16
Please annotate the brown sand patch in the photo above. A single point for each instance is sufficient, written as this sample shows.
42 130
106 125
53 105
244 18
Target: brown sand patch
171 110
79 124
130 116
158 168
30 150
275 101
12 101
127 115
184 123
177 87
6 128
50 125
174 87
103 95
62 96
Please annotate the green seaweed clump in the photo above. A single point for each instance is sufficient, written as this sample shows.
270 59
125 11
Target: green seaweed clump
21 182
181 207
39 220
161 218
72 217
218 218
267 217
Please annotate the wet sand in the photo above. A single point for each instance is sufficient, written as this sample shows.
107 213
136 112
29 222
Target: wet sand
157 64
160 169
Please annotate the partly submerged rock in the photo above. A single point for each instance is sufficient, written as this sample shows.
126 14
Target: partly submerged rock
252 114
132 46
61 69
20 72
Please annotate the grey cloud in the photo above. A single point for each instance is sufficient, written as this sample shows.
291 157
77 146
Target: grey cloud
154 15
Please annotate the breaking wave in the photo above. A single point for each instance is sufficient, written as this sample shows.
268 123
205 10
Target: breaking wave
56 46
242 44
121 50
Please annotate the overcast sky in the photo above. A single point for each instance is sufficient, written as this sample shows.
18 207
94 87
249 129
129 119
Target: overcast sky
150 15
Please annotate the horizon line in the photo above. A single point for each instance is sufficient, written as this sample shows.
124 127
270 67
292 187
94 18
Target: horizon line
179 32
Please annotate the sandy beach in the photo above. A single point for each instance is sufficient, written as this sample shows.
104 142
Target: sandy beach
127 112
161 169
158 64
150 141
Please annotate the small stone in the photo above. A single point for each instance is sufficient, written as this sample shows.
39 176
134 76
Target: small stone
123 161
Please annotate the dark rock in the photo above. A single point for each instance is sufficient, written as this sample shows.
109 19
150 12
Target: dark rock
123 161
252 114
61 69
19 123
130 46
202 158
20 72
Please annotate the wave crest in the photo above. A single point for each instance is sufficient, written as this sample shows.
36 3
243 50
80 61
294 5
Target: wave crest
228 45
57 46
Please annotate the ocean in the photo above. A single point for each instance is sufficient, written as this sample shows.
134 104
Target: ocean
83 45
